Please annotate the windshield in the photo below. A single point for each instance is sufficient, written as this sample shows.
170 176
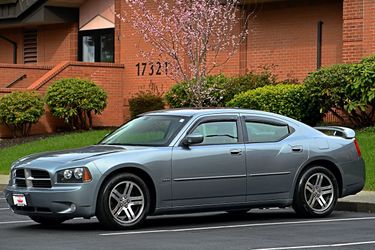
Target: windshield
149 130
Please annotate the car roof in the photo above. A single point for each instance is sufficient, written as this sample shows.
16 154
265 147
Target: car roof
189 112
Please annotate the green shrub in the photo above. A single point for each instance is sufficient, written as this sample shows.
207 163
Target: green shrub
19 110
247 82
328 87
212 91
218 89
75 100
346 90
145 101
286 99
177 96
370 59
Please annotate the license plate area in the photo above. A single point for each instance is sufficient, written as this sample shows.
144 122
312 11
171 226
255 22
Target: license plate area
19 200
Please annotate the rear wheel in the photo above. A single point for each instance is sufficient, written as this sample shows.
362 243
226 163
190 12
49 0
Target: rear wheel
47 221
124 202
317 192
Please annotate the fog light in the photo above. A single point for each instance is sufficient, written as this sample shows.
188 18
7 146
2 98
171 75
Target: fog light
68 174
78 173
73 207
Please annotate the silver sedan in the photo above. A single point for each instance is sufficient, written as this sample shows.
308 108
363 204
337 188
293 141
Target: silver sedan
189 160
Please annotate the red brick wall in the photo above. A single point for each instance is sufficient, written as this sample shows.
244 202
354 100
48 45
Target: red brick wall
285 35
359 29
352 30
107 75
57 43
369 28
6 49
282 35
10 72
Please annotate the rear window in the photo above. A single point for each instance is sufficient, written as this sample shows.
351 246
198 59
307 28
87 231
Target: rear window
265 132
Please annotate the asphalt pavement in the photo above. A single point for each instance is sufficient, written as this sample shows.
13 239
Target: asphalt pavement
259 229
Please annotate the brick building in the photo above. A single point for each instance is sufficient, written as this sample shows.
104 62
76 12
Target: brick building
44 40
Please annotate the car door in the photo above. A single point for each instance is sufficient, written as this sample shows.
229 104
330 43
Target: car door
273 156
214 171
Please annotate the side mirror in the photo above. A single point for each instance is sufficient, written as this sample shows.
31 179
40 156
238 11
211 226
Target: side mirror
193 139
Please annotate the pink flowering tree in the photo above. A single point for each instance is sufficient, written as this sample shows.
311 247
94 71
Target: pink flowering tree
192 36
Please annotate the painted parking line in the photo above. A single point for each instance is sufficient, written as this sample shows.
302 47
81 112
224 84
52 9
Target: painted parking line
320 246
4 208
281 223
15 222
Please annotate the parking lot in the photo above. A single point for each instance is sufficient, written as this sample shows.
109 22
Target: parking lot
259 229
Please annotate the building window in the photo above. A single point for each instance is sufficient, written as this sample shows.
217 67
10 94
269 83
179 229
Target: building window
96 45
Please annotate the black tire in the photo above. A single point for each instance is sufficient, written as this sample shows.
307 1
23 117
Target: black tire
312 199
47 221
111 197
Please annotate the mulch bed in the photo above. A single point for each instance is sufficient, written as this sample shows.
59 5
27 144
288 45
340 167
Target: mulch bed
4 143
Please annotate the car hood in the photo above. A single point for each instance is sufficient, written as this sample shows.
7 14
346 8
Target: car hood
72 155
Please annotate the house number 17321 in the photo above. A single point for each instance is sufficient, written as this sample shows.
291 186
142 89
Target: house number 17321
157 68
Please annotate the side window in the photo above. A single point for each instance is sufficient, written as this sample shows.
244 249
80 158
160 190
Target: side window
264 132
218 132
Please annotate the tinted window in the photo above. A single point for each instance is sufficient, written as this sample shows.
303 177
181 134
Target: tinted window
263 132
147 131
224 132
96 45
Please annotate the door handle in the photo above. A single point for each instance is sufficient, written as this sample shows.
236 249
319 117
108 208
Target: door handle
235 151
297 148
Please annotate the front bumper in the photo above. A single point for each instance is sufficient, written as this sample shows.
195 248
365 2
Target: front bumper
71 201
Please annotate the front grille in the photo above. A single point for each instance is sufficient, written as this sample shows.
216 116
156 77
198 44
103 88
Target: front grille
20 182
39 173
25 177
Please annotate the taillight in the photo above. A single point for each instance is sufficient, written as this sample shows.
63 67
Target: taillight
357 148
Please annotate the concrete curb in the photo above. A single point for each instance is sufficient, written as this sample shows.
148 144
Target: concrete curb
355 206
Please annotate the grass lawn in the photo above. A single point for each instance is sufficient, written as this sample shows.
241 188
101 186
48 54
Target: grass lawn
71 140
366 140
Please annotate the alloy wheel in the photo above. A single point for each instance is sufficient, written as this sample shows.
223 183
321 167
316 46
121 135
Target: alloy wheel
126 202
319 192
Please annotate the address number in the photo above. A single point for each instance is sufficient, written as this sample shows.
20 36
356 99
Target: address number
152 68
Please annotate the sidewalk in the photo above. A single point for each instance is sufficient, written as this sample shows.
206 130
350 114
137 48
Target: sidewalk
361 202
4 179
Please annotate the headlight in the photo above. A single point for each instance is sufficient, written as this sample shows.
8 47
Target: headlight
68 174
74 175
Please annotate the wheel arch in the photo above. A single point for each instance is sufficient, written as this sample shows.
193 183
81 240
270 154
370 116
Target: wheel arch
136 170
330 165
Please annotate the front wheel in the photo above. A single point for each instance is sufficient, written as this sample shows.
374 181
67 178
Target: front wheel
317 192
124 202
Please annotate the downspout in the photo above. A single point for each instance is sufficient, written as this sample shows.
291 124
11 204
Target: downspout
319 45
14 48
